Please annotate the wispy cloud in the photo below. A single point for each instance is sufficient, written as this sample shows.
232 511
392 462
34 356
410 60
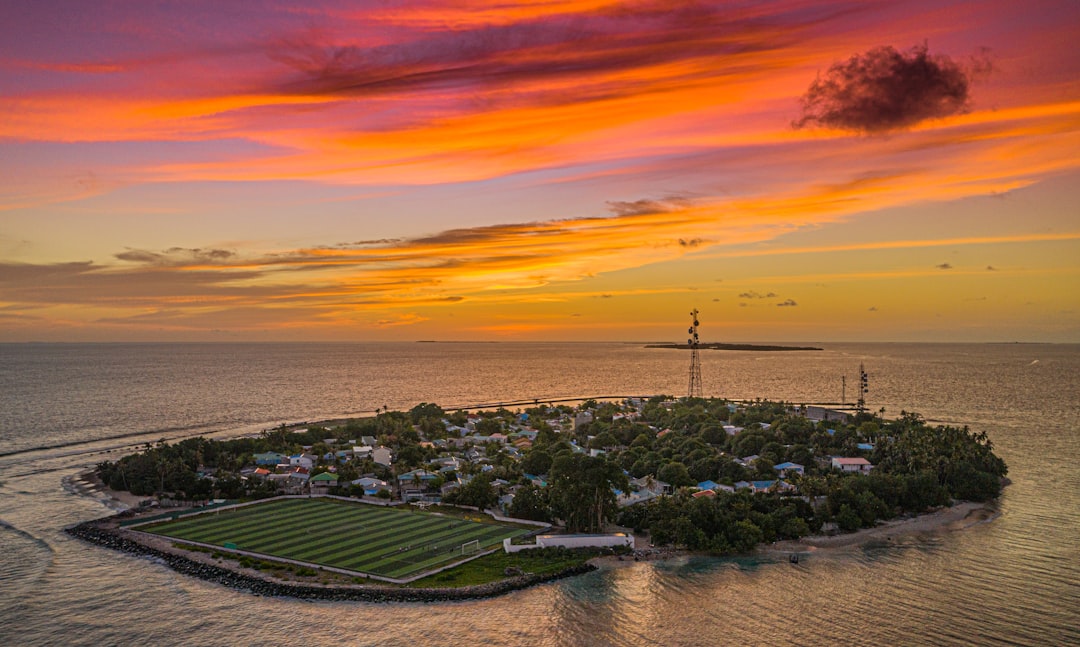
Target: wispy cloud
757 295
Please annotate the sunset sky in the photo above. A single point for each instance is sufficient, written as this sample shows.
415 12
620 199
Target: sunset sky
550 170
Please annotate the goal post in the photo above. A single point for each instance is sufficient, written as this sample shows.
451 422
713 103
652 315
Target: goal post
470 547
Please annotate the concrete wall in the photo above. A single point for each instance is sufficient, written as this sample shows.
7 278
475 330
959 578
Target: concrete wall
573 541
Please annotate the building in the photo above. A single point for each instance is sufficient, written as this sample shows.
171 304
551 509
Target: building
852 464
323 483
786 468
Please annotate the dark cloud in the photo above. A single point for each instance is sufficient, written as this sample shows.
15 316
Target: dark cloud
176 256
645 207
757 295
944 266
886 90
89 283
693 242
991 268
872 309
787 304
366 243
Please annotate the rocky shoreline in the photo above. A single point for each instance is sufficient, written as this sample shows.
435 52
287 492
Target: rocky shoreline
101 534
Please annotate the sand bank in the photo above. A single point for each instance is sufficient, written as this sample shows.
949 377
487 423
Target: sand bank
957 517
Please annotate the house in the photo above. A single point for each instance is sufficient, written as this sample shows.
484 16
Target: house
786 468
707 485
761 486
382 456
704 493
731 430
423 476
860 464
770 486
371 485
323 482
299 474
368 440
446 463
652 484
819 414
414 485
268 458
866 447
747 461
536 480
261 473
302 460
742 485
362 451
642 490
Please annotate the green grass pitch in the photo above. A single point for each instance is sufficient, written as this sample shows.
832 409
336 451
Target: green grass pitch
368 539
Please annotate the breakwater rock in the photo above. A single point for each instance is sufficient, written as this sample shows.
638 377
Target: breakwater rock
95 532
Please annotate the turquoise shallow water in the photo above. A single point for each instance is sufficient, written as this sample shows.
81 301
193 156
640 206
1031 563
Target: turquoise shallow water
1014 580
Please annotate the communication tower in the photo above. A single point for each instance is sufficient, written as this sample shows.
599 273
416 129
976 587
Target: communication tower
860 406
694 391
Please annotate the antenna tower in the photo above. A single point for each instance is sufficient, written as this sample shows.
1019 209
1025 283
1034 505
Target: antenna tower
694 390
860 406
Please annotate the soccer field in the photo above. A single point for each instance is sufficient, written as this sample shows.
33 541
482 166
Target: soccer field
365 538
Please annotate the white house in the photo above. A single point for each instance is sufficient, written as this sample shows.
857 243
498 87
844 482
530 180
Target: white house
301 460
852 464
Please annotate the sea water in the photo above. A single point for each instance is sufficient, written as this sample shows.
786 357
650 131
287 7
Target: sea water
1012 580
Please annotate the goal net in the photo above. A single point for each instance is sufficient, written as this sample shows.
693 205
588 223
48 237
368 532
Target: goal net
470 547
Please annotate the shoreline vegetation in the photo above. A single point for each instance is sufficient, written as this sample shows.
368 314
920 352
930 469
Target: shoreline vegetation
721 346
686 476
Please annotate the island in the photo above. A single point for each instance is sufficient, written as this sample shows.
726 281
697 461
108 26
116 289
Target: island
428 504
720 346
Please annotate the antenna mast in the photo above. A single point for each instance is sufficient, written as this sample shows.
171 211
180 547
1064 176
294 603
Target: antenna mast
860 406
694 390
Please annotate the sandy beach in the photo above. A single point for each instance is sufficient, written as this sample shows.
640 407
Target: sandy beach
957 517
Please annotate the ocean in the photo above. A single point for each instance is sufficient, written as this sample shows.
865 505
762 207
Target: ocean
1012 580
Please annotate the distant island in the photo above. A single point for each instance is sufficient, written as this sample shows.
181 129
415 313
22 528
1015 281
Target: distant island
718 346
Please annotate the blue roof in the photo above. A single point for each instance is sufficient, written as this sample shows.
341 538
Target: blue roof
830 431
707 485
786 465
867 446
424 475
762 485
